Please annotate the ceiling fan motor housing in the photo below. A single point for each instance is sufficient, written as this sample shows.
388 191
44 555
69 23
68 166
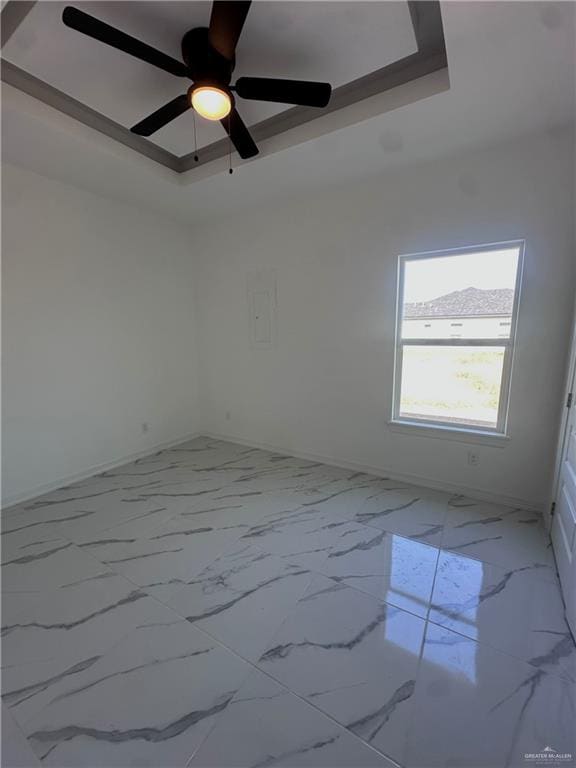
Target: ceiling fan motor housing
205 65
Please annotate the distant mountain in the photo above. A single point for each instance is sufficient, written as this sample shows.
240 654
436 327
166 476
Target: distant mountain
470 302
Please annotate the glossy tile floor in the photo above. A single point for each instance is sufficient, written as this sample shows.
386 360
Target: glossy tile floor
216 605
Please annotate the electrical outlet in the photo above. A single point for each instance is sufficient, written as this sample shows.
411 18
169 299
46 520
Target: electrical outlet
473 458
145 427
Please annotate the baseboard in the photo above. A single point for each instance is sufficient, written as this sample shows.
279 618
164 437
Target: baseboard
40 490
473 493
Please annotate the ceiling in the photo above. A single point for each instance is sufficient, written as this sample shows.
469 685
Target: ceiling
512 73
326 41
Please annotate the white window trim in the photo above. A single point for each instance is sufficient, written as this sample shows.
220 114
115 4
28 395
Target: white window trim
458 429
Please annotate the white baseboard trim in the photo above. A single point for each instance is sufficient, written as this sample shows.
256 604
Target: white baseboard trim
96 469
473 493
355 466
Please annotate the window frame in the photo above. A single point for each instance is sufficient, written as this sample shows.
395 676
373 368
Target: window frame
509 344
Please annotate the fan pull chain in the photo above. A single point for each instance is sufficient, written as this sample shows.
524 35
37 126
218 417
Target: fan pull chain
196 158
230 169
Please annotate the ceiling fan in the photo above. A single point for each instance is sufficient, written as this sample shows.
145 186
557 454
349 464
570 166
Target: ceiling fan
208 55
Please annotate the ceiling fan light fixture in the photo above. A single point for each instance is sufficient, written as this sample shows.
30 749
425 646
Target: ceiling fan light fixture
211 102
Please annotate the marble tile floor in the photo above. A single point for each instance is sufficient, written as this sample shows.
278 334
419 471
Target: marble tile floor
218 605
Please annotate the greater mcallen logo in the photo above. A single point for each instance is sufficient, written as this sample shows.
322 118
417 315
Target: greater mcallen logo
548 755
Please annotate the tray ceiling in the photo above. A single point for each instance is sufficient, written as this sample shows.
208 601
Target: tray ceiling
334 41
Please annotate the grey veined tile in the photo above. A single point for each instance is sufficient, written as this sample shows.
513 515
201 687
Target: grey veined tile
410 511
353 657
162 559
183 490
511 538
475 706
134 477
49 565
50 638
515 610
15 750
126 533
243 597
98 672
214 455
151 700
303 535
19 536
86 510
345 496
394 569
291 474
237 507
266 725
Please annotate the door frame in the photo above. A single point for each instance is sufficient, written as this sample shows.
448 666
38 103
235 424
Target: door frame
568 388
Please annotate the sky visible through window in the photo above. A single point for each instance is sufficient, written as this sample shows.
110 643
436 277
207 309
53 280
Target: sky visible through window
426 279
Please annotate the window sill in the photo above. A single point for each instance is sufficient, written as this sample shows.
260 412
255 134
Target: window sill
475 436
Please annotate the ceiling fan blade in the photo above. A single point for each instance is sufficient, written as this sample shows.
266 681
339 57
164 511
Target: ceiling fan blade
88 25
162 116
226 22
239 135
301 92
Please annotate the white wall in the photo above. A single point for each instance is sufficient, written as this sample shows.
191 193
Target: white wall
98 332
99 327
326 388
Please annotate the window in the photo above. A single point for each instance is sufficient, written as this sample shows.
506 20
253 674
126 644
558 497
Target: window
457 381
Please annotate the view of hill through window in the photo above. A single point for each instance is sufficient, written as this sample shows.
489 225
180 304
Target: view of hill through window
455 336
